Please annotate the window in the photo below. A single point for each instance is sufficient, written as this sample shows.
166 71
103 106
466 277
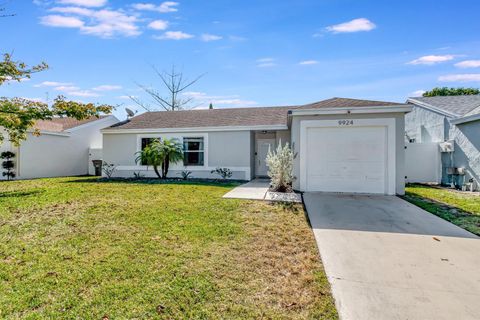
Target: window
193 151
145 143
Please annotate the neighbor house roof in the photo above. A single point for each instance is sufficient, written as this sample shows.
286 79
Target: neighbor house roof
452 106
63 124
234 117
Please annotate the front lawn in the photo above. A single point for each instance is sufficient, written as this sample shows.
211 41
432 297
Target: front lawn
75 248
460 208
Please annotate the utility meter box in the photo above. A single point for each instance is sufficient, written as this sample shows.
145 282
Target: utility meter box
447 146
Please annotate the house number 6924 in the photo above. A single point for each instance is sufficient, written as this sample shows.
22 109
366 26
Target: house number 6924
345 122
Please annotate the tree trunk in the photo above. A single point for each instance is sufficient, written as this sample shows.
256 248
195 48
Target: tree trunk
166 166
155 168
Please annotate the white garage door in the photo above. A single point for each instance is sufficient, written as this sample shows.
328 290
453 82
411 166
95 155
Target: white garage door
346 159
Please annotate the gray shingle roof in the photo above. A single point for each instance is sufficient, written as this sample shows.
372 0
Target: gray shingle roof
236 117
458 106
62 124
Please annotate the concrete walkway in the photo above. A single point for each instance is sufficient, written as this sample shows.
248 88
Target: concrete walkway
388 259
253 190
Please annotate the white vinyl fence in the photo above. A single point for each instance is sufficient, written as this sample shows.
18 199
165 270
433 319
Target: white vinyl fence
423 163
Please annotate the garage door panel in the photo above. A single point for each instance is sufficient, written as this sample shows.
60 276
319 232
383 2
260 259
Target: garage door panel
346 159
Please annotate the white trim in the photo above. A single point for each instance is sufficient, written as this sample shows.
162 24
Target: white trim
93 122
390 177
196 129
352 110
195 168
431 108
51 133
471 118
247 170
179 137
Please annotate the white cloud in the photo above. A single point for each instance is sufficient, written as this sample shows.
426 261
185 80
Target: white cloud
263 60
468 64
83 93
174 35
52 84
203 100
209 37
9 79
308 62
356 25
417 93
42 100
158 25
432 59
266 62
74 10
84 3
61 21
165 7
107 87
466 77
67 88
237 38
103 23
126 97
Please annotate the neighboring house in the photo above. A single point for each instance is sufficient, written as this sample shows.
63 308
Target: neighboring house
61 149
342 145
451 119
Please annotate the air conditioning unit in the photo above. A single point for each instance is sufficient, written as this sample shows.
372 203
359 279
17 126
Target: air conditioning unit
447 146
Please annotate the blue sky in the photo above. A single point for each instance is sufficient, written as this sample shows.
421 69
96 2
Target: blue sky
254 53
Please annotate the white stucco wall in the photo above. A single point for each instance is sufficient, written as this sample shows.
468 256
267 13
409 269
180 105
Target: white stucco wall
225 149
424 125
399 142
59 154
467 151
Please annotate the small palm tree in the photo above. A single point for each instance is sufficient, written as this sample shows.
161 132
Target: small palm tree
152 155
173 153
160 154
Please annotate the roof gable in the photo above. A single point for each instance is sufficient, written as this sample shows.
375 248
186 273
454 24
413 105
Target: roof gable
63 124
452 106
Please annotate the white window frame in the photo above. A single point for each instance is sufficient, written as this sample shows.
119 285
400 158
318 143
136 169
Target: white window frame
179 137
197 151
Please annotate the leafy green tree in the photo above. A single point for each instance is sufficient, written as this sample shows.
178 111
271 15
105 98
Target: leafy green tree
445 91
18 115
159 154
173 153
152 155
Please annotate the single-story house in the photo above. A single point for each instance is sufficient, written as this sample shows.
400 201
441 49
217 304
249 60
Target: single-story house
63 147
342 145
452 122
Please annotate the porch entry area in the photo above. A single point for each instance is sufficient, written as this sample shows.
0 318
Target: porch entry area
262 142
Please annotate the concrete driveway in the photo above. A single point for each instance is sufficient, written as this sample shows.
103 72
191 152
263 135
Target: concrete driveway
388 259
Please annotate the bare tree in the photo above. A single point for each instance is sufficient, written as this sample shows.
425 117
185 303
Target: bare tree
3 10
175 85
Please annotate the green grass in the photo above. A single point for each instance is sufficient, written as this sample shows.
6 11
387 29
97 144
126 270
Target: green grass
460 208
75 248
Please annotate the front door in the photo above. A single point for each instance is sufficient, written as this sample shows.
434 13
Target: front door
263 145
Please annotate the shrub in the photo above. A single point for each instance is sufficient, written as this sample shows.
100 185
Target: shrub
108 169
280 167
225 173
8 164
138 175
185 174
